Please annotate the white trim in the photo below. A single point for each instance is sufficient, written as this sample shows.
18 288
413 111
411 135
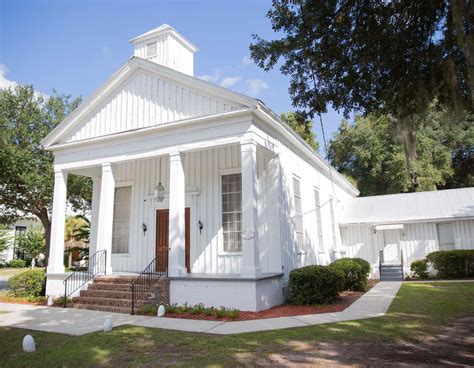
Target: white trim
388 227
220 237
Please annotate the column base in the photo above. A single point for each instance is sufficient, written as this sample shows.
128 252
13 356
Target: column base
250 272
55 270
176 271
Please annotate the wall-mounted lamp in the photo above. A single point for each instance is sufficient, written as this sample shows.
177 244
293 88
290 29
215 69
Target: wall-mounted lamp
160 192
144 228
200 226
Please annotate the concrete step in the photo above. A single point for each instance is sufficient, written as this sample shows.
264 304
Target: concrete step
391 272
391 278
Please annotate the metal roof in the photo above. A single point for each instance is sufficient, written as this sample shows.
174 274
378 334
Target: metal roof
410 207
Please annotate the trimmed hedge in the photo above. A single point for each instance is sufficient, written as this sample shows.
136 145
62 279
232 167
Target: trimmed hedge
17 263
453 264
420 268
355 272
28 284
313 285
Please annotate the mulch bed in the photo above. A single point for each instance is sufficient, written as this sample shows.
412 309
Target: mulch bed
345 299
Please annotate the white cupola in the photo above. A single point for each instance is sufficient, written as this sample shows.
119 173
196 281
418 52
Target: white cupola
165 46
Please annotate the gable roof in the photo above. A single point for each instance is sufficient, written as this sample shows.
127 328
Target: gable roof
135 63
410 207
115 81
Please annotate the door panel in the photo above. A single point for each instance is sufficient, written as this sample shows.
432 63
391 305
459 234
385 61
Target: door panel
391 251
162 239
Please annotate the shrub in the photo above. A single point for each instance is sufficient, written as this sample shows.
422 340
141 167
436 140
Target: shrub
364 264
221 312
17 263
233 313
355 274
27 284
197 309
420 268
148 309
313 285
453 264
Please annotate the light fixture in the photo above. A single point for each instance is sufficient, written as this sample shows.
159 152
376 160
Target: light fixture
201 226
29 344
160 192
144 228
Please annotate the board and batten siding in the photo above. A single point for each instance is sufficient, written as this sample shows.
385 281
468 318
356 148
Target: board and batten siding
311 179
202 173
416 241
169 52
145 100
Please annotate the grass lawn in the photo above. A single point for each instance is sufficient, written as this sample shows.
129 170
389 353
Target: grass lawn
12 271
419 311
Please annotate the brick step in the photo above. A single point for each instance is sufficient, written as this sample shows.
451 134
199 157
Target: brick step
115 280
115 294
112 287
103 308
106 301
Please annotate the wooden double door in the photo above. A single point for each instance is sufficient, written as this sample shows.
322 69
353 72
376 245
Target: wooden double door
162 239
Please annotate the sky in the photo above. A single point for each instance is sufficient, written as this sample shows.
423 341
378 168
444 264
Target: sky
73 46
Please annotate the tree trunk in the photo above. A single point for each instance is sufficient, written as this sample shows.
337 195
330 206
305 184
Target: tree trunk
44 218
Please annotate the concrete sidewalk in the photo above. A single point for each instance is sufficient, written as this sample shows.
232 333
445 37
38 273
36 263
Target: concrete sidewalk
78 321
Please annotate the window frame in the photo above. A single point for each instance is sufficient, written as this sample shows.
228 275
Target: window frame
319 221
300 247
451 224
332 212
132 196
221 250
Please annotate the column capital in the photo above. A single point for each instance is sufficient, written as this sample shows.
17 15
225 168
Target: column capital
176 156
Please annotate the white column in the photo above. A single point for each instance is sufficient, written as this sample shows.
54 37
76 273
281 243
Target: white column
106 213
176 259
96 181
250 247
274 210
56 251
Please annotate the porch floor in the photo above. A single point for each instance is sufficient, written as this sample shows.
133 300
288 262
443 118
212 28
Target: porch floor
225 277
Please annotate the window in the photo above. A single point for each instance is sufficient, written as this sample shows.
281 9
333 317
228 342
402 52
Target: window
232 212
333 221
319 224
446 236
19 231
121 223
151 49
298 214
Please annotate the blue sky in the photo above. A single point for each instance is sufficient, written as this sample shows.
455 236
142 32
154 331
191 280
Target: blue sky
74 46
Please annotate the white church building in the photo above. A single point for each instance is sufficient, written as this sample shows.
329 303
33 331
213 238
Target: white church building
209 183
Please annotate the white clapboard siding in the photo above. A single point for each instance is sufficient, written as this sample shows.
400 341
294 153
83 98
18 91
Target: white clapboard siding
146 100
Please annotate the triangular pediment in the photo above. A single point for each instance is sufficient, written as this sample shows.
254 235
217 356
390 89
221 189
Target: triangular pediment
140 95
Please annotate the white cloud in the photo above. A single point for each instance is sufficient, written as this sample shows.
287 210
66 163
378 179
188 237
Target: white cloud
246 60
4 81
209 78
230 81
255 86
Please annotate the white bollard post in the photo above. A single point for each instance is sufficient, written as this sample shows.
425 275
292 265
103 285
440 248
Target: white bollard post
29 345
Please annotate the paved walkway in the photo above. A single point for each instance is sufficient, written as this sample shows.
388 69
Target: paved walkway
78 321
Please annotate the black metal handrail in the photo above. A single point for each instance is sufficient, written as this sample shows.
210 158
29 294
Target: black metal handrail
76 280
144 281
